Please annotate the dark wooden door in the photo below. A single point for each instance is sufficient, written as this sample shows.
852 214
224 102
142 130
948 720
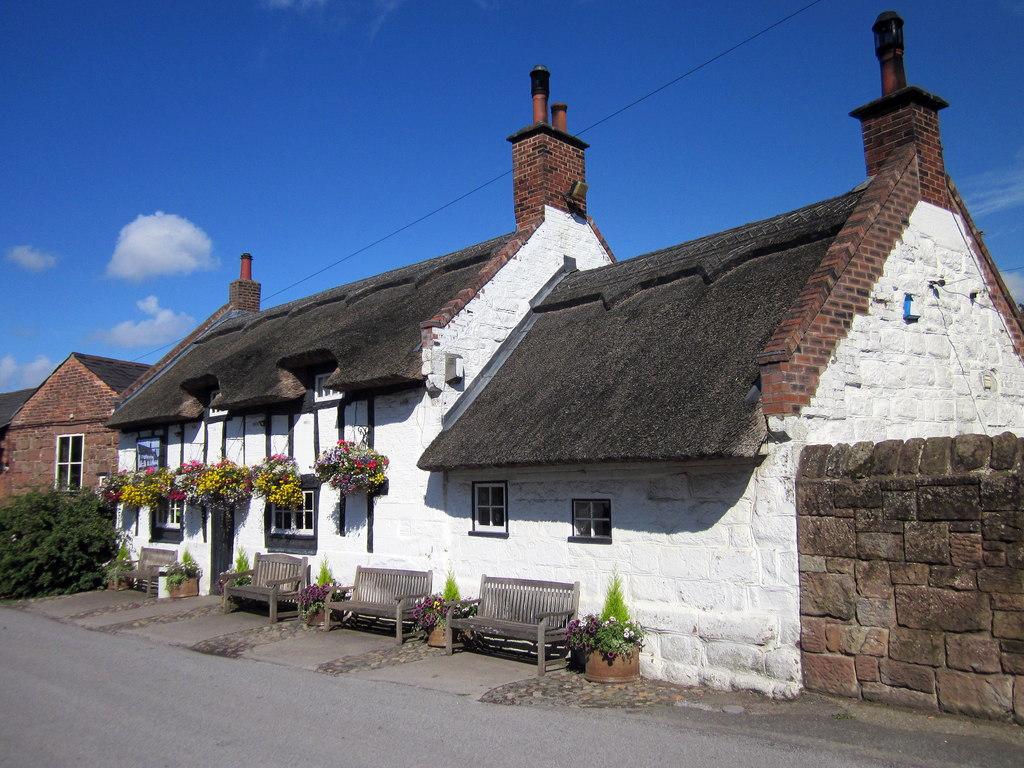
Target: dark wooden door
222 544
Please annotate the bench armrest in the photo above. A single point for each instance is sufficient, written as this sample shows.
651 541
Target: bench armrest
226 577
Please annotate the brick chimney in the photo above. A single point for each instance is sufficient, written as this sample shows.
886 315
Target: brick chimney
244 293
548 166
904 115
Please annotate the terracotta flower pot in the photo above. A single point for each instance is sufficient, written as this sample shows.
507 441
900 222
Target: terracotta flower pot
436 637
315 618
624 668
188 588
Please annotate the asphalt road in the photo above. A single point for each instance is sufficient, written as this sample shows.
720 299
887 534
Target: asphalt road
73 697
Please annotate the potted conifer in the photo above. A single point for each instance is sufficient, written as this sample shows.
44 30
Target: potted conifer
611 639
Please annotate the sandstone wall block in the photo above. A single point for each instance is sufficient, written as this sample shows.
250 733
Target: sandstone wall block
830 674
973 653
988 696
927 542
943 609
917 646
903 675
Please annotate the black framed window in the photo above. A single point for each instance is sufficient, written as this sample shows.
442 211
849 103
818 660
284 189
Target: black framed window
168 517
591 520
70 458
490 509
294 530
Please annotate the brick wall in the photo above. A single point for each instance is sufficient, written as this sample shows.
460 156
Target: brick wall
72 401
912 572
545 163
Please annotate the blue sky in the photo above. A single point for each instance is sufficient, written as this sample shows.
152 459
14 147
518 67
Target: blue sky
145 145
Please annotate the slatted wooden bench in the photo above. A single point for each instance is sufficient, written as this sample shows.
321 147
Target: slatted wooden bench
274 579
151 562
518 609
384 593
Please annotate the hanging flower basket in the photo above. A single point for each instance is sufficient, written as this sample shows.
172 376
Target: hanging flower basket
351 468
185 486
277 479
112 487
146 488
224 484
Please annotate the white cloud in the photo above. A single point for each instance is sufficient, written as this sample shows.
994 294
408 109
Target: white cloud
162 326
15 375
160 244
27 257
1015 282
995 190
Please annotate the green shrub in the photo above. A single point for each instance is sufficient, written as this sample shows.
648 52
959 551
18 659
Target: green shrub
54 543
241 564
451 588
324 576
615 602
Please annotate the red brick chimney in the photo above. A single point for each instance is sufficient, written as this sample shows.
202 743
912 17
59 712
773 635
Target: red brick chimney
903 115
548 166
244 293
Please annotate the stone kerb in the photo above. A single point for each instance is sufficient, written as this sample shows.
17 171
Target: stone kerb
912 572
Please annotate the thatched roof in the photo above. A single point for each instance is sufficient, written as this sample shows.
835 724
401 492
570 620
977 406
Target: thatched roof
370 328
648 359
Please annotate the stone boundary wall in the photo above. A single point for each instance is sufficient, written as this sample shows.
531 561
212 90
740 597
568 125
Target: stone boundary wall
912 572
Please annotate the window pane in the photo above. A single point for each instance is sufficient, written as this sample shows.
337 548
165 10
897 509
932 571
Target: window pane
76 447
498 516
63 449
603 528
75 476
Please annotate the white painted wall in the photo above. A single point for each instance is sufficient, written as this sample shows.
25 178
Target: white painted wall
705 559
891 379
488 318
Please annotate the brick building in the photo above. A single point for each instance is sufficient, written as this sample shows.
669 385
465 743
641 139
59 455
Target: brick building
56 435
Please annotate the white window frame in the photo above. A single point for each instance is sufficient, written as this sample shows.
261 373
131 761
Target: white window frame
484 509
215 413
584 511
67 465
169 515
292 522
321 392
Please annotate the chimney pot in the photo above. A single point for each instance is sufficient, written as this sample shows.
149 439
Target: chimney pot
539 77
888 29
245 273
558 117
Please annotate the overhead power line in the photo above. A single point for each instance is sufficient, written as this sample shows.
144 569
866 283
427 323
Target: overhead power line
500 176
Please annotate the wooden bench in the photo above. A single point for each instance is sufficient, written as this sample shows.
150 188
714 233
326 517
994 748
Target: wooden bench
151 562
274 579
518 609
384 593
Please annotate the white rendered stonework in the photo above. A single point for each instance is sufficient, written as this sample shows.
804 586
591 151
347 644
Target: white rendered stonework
486 321
952 371
706 551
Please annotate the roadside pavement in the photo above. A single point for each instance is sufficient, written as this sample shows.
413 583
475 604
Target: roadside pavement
370 653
